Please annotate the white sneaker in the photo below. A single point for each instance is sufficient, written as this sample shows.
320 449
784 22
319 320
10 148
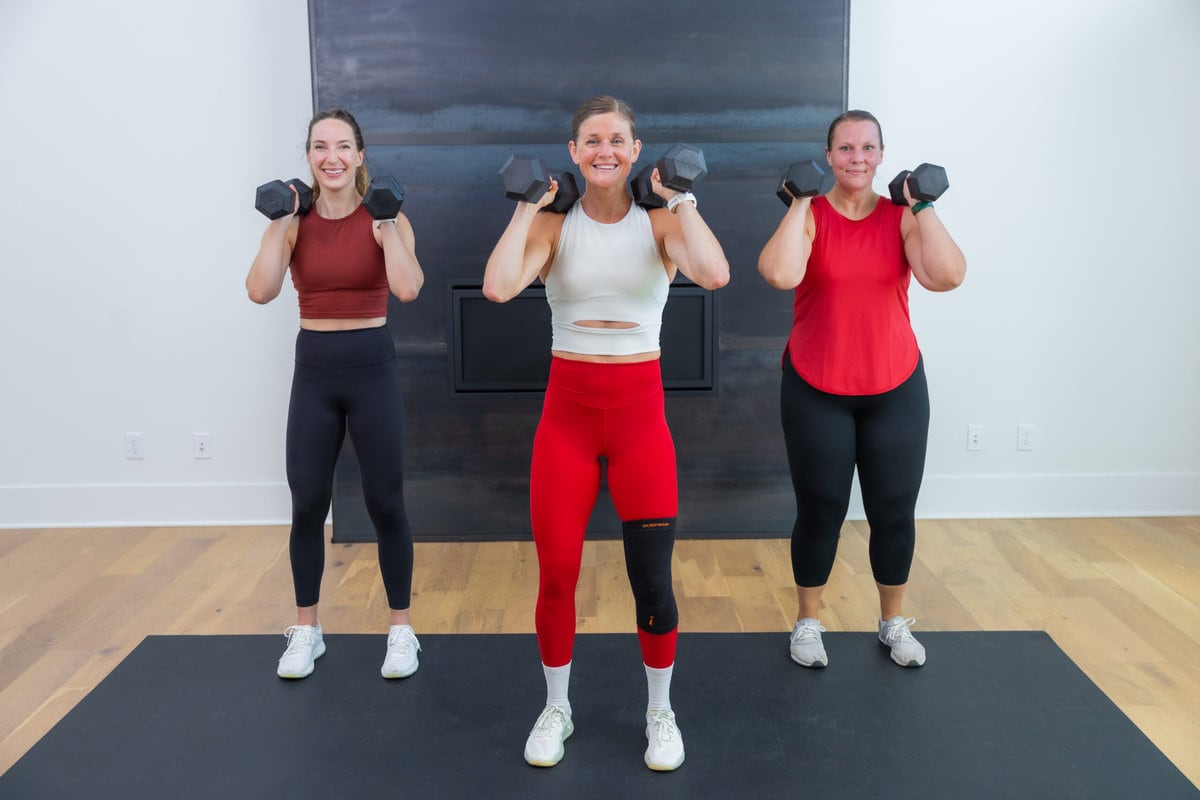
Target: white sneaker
544 747
402 647
305 645
906 650
665 751
806 647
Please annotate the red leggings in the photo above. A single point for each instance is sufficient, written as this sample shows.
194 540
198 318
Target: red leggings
591 411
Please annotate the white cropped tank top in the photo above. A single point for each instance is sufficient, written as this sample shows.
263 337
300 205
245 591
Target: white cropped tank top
606 272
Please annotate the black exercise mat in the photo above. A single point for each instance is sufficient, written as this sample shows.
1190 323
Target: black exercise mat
1003 715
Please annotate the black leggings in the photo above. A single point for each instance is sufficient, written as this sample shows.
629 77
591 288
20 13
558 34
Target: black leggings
827 435
347 379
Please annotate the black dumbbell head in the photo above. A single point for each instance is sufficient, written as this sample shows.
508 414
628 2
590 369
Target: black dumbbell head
804 179
643 191
928 182
274 199
682 167
384 197
896 188
567 194
525 179
304 193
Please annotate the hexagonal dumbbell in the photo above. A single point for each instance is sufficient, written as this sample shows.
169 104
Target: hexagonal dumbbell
525 179
643 192
528 179
925 183
681 168
384 197
274 199
804 179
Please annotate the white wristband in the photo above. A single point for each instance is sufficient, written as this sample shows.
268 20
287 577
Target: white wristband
682 197
380 222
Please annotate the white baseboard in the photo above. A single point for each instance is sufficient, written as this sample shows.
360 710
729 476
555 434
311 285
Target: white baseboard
139 505
1071 495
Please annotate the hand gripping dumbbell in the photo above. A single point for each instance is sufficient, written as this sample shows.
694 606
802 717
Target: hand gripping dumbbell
803 179
383 198
926 183
643 191
528 179
275 199
680 169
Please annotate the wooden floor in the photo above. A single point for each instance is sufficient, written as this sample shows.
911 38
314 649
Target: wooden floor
1120 596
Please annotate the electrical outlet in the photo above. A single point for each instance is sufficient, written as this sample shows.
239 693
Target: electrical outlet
201 445
134 447
974 437
1024 437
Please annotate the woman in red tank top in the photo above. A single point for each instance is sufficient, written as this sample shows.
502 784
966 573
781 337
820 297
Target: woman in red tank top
853 393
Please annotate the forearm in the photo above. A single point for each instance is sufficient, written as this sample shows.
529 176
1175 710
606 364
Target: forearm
404 274
784 259
707 265
265 278
505 275
942 261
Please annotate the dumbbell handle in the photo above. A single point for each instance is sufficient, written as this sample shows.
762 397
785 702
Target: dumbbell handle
925 184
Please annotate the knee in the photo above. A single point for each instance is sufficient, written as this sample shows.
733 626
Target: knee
648 548
388 517
557 585
310 506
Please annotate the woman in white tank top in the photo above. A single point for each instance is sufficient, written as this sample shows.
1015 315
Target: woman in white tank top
607 265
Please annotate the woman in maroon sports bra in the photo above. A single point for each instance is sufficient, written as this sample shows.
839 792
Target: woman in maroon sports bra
344 266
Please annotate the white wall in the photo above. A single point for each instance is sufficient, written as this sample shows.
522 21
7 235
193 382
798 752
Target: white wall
1066 128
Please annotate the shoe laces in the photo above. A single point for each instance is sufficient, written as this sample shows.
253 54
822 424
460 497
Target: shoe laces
898 632
299 637
807 633
661 725
551 722
402 640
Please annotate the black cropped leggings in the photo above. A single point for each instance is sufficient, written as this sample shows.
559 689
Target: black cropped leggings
347 380
827 435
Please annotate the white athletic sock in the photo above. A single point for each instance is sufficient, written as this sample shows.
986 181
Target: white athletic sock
658 684
557 681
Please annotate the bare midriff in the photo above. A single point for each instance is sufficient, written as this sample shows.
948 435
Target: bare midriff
342 324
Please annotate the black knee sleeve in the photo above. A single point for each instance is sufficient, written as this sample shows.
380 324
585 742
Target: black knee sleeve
648 547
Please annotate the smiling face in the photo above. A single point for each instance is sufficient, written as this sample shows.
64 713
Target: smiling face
855 151
605 149
333 154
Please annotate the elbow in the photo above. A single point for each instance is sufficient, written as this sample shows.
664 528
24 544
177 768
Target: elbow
773 278
407 292
715 276
717 281
496 293
954 277
260 296
947 283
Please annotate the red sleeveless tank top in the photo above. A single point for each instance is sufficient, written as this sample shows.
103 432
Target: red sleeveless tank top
851 331
338 268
